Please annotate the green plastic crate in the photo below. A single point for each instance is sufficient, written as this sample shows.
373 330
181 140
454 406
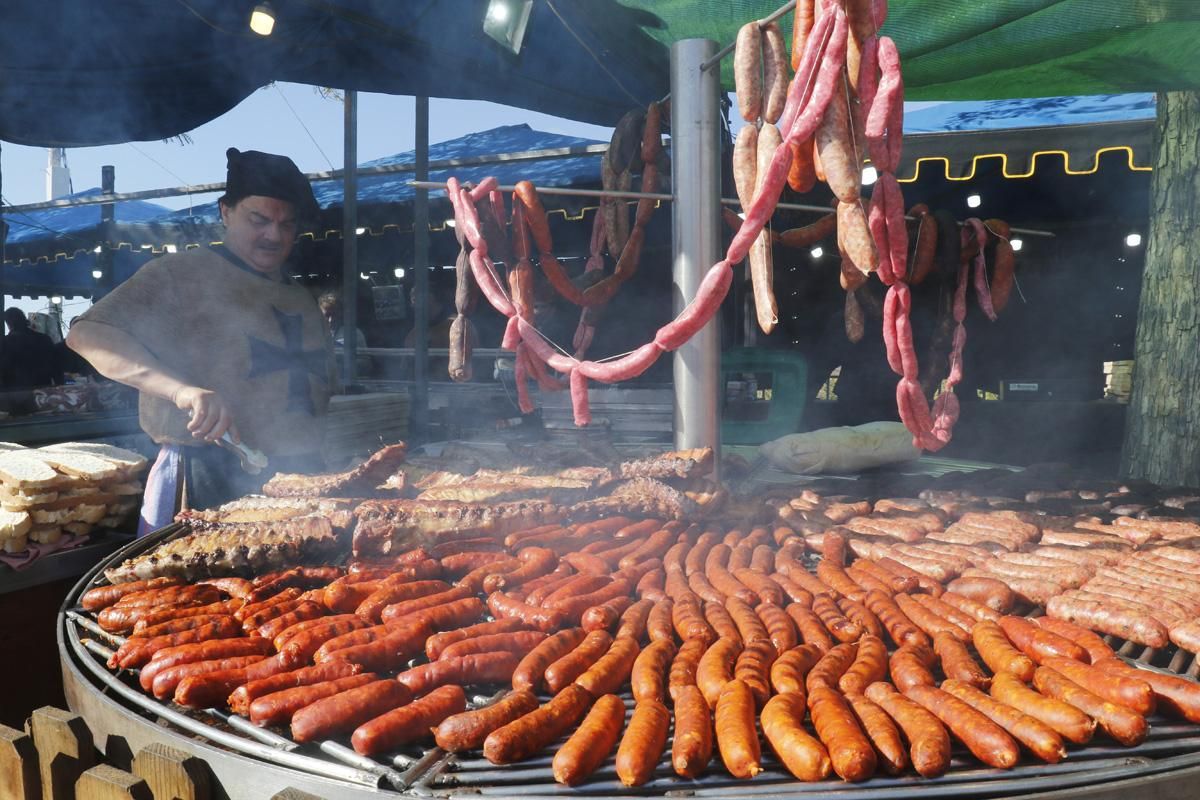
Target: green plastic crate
763 394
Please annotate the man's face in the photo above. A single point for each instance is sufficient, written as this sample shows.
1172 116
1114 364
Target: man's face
260 231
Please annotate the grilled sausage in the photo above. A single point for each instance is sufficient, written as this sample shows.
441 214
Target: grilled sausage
240 699
782 723
737 738
611 670
591 742
643 743
278 708
528 734
692 747
494 668
467 730
1126 726
530 673
650 670
881 731
567 668
850 752
1066 720
957 662
990 743
929 743
1035 735
347 709
870 664
409 722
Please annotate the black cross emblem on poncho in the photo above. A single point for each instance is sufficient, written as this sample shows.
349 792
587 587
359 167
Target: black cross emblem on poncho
266 358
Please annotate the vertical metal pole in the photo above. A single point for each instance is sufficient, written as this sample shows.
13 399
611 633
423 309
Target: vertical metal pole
419 411
104 261
3 249
695 228
350 237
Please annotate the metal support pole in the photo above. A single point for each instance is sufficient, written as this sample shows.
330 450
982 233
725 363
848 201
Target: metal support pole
3 252
104 262
350 238
419 410
696 231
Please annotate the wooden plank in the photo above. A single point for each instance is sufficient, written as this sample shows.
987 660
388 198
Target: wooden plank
109 783
64 748
172 774
19 779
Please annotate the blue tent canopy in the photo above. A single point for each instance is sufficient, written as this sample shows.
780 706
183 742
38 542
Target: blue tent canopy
52 250
1033 112
395 189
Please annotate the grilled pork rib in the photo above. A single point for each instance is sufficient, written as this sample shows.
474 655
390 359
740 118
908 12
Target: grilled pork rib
385 525
358 482
234 550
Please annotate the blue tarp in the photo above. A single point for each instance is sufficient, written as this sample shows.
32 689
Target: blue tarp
1033 112
63 223
395 188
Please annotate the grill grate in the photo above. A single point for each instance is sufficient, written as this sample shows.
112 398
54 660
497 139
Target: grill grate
432 772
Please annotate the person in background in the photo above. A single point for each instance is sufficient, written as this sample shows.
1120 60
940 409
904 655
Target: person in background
28 359
331 308
218 340
71 363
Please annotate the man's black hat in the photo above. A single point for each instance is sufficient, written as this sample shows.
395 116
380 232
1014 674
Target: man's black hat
269 175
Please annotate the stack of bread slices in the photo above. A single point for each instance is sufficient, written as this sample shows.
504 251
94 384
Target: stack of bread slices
65 488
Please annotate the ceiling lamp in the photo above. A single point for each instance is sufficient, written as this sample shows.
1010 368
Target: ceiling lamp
398 272
974 201
1133 240
505 22
1015 244
816 252
262 19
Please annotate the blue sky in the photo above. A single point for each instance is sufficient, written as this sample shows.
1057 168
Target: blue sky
273 119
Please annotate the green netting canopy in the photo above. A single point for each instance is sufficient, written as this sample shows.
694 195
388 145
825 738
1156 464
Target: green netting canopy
993 49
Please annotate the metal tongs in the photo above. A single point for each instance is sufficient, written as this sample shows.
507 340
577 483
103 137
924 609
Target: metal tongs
253 461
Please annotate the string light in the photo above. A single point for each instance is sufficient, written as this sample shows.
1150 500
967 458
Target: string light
974 201
398 272
1133 240
97 274
817 252
970 174
1016 244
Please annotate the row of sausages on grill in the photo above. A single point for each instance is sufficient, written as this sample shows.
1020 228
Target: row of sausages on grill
750 647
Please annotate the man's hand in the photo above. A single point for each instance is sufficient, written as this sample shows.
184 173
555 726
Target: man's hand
210 416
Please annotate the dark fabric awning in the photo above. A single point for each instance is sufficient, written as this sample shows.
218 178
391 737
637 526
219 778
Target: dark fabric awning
85 72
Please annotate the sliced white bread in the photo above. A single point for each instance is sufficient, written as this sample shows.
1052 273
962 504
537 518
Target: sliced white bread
78 528
46 534
7 446
21 472
79 465
129 461
15 544
14 523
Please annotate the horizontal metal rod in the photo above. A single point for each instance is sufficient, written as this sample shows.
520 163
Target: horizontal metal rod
329 175
762 23
435 185
728 201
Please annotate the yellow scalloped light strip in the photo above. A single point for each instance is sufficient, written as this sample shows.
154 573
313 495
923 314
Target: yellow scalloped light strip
1066 162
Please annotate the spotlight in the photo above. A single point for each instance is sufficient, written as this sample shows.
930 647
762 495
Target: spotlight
869 176
1016 244
262 19
97 274
1133 240
816 252
505 22
398 272
973 201
56 300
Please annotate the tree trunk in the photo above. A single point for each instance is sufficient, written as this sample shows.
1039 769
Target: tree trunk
1162 430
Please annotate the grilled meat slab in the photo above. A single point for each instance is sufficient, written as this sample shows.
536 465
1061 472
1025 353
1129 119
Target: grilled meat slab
226 550
362 481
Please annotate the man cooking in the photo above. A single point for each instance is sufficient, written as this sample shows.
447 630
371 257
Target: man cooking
220 343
